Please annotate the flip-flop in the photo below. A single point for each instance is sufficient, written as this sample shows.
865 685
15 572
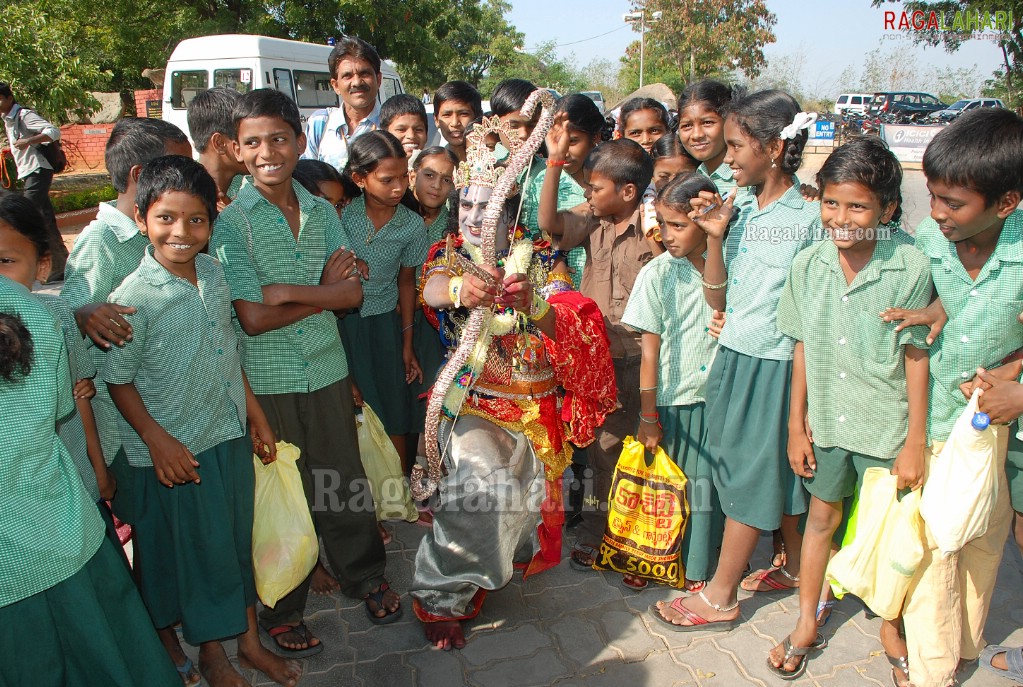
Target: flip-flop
901 663
636 584
825 606
377 598
579 557
1013 661
697 622
272 633
792 651
190 677
773 585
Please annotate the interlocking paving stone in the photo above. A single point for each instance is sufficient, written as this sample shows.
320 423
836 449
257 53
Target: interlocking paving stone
541 668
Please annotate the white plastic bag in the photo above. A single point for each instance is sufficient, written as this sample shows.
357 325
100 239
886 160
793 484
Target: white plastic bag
880 561
284 544
383 469
962 484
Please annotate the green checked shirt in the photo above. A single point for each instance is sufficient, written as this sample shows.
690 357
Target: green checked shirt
435 230
402 242
570 194
722 177
71 430
855 361
183 357
108 250
759 251
255 245
49 527
667 300
982 327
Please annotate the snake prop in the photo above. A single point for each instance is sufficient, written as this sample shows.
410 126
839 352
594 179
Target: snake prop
476 334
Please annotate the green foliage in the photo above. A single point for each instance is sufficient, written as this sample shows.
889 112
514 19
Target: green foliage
696 39
42 65
82 200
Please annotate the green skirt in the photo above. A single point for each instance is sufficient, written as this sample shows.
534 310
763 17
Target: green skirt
373 347
1014 468
193 545
747 439
683 442
89 630
430 353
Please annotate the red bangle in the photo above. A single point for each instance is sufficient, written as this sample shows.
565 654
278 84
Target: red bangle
557 163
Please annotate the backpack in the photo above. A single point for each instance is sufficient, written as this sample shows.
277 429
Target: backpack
52 152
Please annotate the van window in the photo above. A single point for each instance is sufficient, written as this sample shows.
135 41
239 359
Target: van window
843 99
313 89
388 87
187 85
283 83
236 79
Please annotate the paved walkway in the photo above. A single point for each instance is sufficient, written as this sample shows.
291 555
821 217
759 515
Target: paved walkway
570 629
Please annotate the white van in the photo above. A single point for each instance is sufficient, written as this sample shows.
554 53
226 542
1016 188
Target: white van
853 103
245 62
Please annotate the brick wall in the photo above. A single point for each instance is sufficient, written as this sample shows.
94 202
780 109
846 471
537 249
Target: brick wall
84 144
141 97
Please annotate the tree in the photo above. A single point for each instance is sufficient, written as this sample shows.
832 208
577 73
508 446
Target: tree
702 38
1010 42
44 71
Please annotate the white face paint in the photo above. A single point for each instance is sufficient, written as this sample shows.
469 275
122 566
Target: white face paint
472 203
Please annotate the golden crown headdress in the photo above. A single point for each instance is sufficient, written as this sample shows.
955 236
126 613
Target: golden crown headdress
481 167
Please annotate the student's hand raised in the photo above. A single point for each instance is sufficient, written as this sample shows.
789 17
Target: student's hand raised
712 214
933 316
557 138
104 323
172 461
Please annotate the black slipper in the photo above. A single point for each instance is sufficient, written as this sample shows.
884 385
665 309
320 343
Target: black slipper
377 598
283 651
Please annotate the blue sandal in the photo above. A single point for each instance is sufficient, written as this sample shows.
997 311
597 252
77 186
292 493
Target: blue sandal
825 606
189 675
1013 661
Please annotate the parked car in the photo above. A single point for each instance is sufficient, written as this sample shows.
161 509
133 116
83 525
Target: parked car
961 106
598 99
853 103
909 105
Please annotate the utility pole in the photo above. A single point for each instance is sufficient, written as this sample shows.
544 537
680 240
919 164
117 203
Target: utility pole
640 16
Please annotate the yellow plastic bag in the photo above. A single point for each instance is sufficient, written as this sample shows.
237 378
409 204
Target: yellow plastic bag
646 519
962 484
380 460
879 563
284 544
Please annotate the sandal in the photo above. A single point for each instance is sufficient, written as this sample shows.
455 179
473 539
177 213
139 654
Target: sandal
825 607
778 559
377 599
1013 661
301 630
791 652
901 663
697 622
636 584
582 558
772 584
694 586
190 677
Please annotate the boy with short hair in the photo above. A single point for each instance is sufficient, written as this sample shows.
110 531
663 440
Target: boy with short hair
404 116
608 226
211 125
974 239
456 105
185 410
281 250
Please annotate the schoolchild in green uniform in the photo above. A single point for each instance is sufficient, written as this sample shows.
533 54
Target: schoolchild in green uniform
211 126
59 576
184 410
859 388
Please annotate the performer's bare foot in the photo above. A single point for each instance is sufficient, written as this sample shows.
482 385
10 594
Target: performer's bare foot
216 669
323 582
280 670
446 634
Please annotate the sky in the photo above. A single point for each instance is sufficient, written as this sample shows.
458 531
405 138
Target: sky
832 34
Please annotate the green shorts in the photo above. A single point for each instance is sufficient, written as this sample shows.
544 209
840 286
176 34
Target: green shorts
839 472
1014 468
